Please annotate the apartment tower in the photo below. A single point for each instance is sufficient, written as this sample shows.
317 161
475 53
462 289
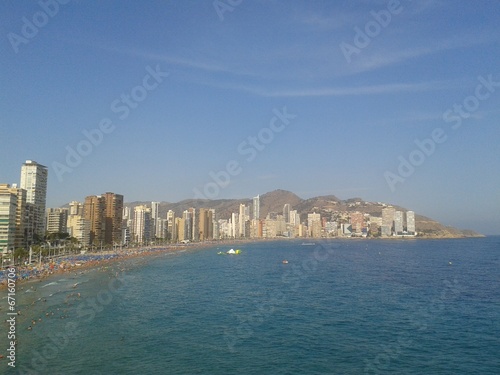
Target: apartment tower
34 181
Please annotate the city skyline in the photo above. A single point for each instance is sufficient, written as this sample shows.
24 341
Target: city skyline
111 208
392 101
104 220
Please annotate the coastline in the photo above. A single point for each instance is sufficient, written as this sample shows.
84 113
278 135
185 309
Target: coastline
80 262
83 262
76 262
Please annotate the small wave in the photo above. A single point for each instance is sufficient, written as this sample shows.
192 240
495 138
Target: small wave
52 283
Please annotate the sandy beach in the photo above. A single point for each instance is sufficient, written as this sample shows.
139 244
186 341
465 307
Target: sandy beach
76 262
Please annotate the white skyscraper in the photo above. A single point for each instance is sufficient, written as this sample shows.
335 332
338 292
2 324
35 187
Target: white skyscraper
171 225
398 222
242 220
34 181
155 208
286 212
410 222
256 208
8 208
234 225
142 224
388 214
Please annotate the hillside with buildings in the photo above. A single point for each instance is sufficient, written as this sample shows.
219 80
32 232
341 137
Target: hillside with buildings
282 213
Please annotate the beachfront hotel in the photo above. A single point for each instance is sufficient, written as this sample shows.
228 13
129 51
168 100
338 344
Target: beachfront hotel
34 181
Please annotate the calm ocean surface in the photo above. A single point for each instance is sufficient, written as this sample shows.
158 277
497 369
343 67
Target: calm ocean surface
339 307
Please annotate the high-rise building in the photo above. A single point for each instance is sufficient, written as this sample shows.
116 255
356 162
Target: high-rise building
125 235
161 228
126 213
235 229
375 225
171 230
410 222
75 208
34 181
286 213
205 224
357 221
93 212
256 208
155 215
57 220
142 224
113 216
243 218
180 226
387 220
194 231
29 236
314 224
280 226
22 220
398 222
8 212
215 224
187 215
294 218
79 228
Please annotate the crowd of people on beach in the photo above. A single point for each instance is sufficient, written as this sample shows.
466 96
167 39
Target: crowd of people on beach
71 262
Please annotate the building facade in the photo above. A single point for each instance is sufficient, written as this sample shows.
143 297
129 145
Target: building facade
256 208
93 210
57 220
410 222
113 217
387 221
142 224
398 222
8 212
34 181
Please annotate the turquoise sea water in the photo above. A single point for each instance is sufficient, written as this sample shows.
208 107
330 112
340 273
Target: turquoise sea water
339 307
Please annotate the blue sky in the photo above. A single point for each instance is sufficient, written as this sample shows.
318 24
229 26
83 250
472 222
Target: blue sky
352 116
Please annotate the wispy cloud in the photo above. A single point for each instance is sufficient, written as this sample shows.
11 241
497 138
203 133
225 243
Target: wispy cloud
383 57
190 63
320 22
350 91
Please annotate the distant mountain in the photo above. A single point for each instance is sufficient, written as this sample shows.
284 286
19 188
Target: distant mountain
275 200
